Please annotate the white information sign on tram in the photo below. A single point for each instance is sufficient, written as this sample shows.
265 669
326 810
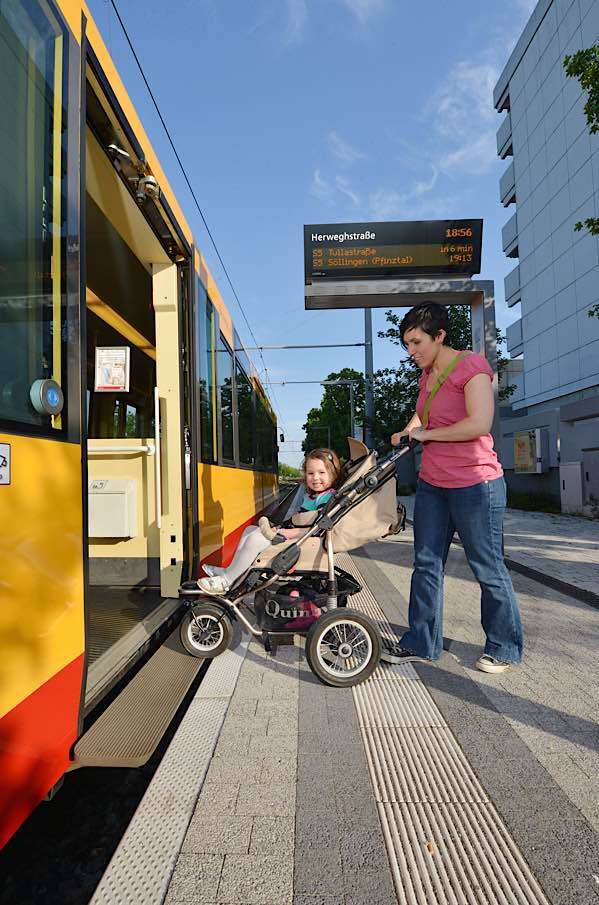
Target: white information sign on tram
4 463
112 369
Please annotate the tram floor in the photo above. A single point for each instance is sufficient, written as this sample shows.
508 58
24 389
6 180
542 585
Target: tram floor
113 612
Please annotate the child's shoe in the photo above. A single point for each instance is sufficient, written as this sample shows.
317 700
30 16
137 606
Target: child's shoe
216 584
266 528
213 570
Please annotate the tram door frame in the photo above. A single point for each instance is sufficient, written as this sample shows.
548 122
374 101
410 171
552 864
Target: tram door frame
179 543
188 326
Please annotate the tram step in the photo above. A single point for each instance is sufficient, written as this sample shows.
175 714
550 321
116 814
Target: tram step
129 730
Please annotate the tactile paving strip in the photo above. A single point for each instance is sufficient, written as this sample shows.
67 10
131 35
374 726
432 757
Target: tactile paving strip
447 844
141 867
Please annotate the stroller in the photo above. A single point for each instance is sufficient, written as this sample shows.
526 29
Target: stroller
298 589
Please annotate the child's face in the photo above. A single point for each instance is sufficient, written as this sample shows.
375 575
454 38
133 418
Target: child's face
317 476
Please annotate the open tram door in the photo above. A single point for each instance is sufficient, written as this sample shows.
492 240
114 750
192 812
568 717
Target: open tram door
140 438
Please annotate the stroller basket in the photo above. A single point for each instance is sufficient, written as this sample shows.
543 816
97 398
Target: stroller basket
294 606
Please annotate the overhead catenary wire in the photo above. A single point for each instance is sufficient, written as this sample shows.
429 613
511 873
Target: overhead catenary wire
193 195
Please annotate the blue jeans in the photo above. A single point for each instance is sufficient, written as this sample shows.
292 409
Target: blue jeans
476 513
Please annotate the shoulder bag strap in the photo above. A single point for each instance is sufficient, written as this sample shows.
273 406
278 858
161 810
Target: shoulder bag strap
440 381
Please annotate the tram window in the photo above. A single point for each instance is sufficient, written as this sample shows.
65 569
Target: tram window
32 211
224 371
206 388
245 416
264 436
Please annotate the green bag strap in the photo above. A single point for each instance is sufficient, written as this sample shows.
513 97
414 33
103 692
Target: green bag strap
440 381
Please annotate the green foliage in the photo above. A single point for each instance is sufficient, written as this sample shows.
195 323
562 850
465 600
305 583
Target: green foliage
288 471
533 502
332 417
584 66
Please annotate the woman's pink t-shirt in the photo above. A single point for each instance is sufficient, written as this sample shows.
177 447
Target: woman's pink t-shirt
458 463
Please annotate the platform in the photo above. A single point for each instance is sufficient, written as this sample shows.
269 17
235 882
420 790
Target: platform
431 784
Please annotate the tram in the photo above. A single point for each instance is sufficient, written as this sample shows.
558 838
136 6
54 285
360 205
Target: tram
136 439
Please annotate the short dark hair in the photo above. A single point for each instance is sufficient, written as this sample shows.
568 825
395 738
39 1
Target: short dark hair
429 316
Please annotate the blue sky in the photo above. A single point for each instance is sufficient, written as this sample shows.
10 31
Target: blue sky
287 112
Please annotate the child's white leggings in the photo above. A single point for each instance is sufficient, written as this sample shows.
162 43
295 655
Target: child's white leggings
252 543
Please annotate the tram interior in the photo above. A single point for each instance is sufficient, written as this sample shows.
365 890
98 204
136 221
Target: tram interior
125 600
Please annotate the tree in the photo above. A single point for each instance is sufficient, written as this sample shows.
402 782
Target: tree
288 471
332 417
584 66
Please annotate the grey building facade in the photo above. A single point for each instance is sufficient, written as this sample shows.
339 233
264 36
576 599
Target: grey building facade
551 182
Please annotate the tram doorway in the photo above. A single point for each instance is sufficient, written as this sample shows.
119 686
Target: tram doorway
135 431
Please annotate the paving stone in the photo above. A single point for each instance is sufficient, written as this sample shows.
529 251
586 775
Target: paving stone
278 768
266 800
195 879
232 745
522 731
273 836
256 880
261 745
363 848
235 725
374 887
215 836
277 708
224 766
318 871
319 900
220 797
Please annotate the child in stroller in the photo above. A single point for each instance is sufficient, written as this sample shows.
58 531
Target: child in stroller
321 469
343 646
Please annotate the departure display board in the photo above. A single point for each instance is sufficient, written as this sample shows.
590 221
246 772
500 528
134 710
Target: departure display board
342 251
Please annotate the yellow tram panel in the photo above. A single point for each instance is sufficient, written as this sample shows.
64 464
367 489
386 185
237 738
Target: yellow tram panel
41 617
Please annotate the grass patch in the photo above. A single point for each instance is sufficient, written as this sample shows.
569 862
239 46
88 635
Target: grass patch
533 502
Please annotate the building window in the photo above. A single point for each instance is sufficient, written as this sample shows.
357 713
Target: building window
206 377
245 416
33 138
224 370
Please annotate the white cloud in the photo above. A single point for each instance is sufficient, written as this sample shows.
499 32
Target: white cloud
342 149
327 191
345 188
364 9
297 15
390 204
320 188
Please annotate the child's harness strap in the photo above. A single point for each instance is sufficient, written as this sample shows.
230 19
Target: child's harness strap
439 383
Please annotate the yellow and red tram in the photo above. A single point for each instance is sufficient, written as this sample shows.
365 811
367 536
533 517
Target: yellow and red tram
135 436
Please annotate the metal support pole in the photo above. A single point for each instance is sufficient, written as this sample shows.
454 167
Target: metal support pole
368 379
351 409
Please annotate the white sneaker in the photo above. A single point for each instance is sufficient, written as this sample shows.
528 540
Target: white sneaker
213 570
216 584
487 663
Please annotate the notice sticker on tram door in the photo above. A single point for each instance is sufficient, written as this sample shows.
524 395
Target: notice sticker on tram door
4 463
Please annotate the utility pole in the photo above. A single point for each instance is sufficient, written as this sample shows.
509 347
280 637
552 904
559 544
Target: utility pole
368 379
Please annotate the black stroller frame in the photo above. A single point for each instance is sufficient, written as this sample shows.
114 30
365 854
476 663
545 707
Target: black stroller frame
343 646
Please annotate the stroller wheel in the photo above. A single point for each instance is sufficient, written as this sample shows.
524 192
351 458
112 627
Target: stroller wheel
206 631
343 648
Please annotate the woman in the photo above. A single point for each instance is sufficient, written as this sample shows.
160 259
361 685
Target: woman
460 487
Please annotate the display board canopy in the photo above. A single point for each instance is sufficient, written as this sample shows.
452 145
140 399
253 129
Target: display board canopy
354 251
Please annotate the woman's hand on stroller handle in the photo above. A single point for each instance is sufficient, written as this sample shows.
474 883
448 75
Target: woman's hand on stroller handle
404 439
